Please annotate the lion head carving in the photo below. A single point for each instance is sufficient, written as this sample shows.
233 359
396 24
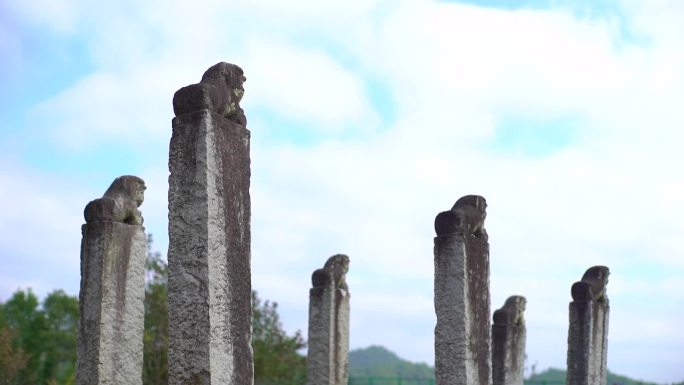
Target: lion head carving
333 273
119 203
467 216
512 312
220 91
593 285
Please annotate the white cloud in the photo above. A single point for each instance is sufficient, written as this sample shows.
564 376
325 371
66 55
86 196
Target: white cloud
306 85
131 109
608 199
39 231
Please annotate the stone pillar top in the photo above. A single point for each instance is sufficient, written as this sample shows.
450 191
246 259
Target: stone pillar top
220 91
465 217
512 312
592 287
119 203
333 274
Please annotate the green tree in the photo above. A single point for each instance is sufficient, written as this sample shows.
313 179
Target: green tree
276 360
12 360
44 337
38 343
22 315
155 338
59 338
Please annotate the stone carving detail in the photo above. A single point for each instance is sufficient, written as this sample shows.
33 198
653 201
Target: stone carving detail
113 253
120 202
462 304
588 329
333 274
220 91
466 217
329 324
592 287
512 312
508 342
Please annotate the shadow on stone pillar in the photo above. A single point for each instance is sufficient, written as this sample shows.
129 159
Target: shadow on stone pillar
210 314
508 342
111 299
588 330
462 304
328 355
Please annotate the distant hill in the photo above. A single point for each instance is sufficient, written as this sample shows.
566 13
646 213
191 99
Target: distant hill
376 361
554 376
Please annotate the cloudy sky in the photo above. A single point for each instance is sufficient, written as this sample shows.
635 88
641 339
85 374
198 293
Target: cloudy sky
367 119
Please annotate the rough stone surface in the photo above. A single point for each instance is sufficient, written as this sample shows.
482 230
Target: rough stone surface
328 353
113 252
462 303
210 312
508 342
588 330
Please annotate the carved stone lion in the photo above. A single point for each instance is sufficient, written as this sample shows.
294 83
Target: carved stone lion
466 217
592 287
220 90
512 311
119 203
333 273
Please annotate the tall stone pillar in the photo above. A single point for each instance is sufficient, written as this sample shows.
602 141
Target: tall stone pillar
111 300
508 342
210 312
462 304
328 360
588 331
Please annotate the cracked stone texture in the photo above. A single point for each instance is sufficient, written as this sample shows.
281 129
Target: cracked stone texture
328 353
462 301
209 252
588 340
508 343
110 329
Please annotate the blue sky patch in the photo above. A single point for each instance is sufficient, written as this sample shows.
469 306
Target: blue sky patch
600 9
535 136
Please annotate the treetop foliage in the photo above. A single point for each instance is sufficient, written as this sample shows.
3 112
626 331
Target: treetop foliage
38 340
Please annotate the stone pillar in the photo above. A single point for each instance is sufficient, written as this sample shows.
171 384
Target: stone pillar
328 361
111 300
508 342
462 304
588 331
210 313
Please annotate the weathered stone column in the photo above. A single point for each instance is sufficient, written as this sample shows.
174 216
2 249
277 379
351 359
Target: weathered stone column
111 300
588 331
462 304
508 342
210 312
328 360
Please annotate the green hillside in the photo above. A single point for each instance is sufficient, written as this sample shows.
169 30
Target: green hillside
379 363
376 361
554 376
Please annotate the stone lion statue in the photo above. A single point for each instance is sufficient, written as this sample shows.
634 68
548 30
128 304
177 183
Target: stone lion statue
512 311
119 203
466 216
220 91
333 273
592 287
